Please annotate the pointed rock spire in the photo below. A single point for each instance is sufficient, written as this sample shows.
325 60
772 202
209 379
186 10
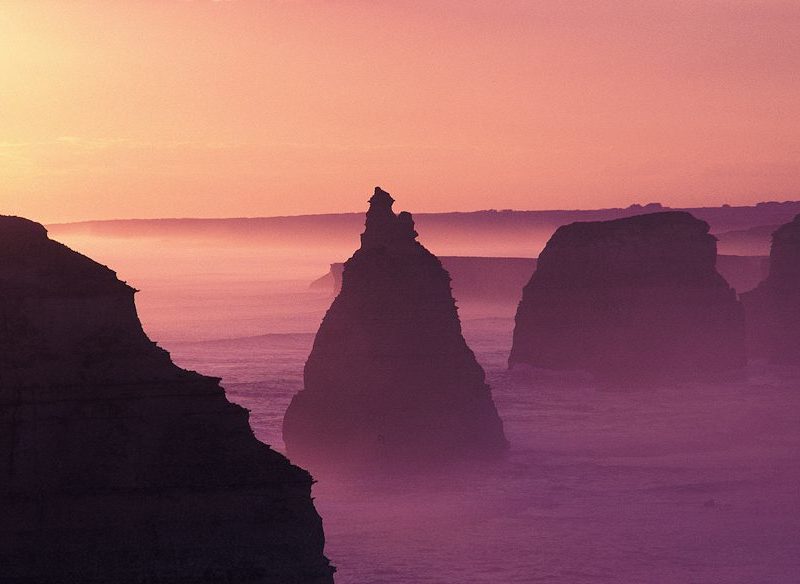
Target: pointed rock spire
380 198
383 227
390 378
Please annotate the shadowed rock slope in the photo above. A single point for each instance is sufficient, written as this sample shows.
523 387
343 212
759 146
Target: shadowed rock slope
390 376
773 308
115 464
630 300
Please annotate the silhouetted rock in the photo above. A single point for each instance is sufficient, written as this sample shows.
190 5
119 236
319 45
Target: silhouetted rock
634 299
390 376
773 308
500 280
473 279
115 464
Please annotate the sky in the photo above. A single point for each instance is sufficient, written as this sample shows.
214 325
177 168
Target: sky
202 108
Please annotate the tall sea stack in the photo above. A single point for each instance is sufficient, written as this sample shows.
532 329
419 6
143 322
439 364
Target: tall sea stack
115 464
390 377
773 308
631 300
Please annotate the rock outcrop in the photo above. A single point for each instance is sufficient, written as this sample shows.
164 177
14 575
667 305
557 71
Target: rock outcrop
773 308
115 464
631 300
493 280
498 280
390 377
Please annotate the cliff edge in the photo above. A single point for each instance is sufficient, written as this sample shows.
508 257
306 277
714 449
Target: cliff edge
115 464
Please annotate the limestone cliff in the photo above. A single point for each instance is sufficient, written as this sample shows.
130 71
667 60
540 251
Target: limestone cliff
115 464
390 376
773 308
634 299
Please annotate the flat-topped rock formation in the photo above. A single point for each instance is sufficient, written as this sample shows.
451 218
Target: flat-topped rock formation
773 308
390 377
115 464
630 300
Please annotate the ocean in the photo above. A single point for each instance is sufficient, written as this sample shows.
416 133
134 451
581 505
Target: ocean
685 484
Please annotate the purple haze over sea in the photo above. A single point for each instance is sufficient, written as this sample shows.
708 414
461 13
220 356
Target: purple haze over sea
689 484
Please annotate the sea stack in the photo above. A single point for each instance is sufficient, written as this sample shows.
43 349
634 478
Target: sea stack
115 464
773 308
390 377
637 299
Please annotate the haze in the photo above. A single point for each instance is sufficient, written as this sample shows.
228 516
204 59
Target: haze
246 108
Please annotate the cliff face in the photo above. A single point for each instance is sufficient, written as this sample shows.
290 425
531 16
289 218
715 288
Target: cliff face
773 308
116 465
634 299
390 376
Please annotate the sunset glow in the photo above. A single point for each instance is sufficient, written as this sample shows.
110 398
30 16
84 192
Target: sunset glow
400 291
204 108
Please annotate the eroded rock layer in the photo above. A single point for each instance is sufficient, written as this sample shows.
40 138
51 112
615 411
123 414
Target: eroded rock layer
773 308
634 299
390 377
115 464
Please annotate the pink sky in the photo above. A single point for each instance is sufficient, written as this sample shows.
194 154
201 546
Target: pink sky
152 108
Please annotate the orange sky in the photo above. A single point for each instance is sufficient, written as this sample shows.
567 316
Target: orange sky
152 108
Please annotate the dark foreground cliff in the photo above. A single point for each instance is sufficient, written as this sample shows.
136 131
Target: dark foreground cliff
773 308
390 377
118 466
634 299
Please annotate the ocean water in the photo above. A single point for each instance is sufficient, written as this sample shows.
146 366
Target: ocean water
686 484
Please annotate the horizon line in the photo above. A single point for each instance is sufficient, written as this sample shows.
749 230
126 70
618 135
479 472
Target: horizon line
453 212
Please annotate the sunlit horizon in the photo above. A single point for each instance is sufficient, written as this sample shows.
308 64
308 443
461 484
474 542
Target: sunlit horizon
242 108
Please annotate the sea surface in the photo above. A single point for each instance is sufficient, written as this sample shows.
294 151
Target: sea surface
684 484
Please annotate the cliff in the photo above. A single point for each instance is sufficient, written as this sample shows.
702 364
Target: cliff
390 377
773 308
115 464
634 299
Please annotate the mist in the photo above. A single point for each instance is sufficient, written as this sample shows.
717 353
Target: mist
664 484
